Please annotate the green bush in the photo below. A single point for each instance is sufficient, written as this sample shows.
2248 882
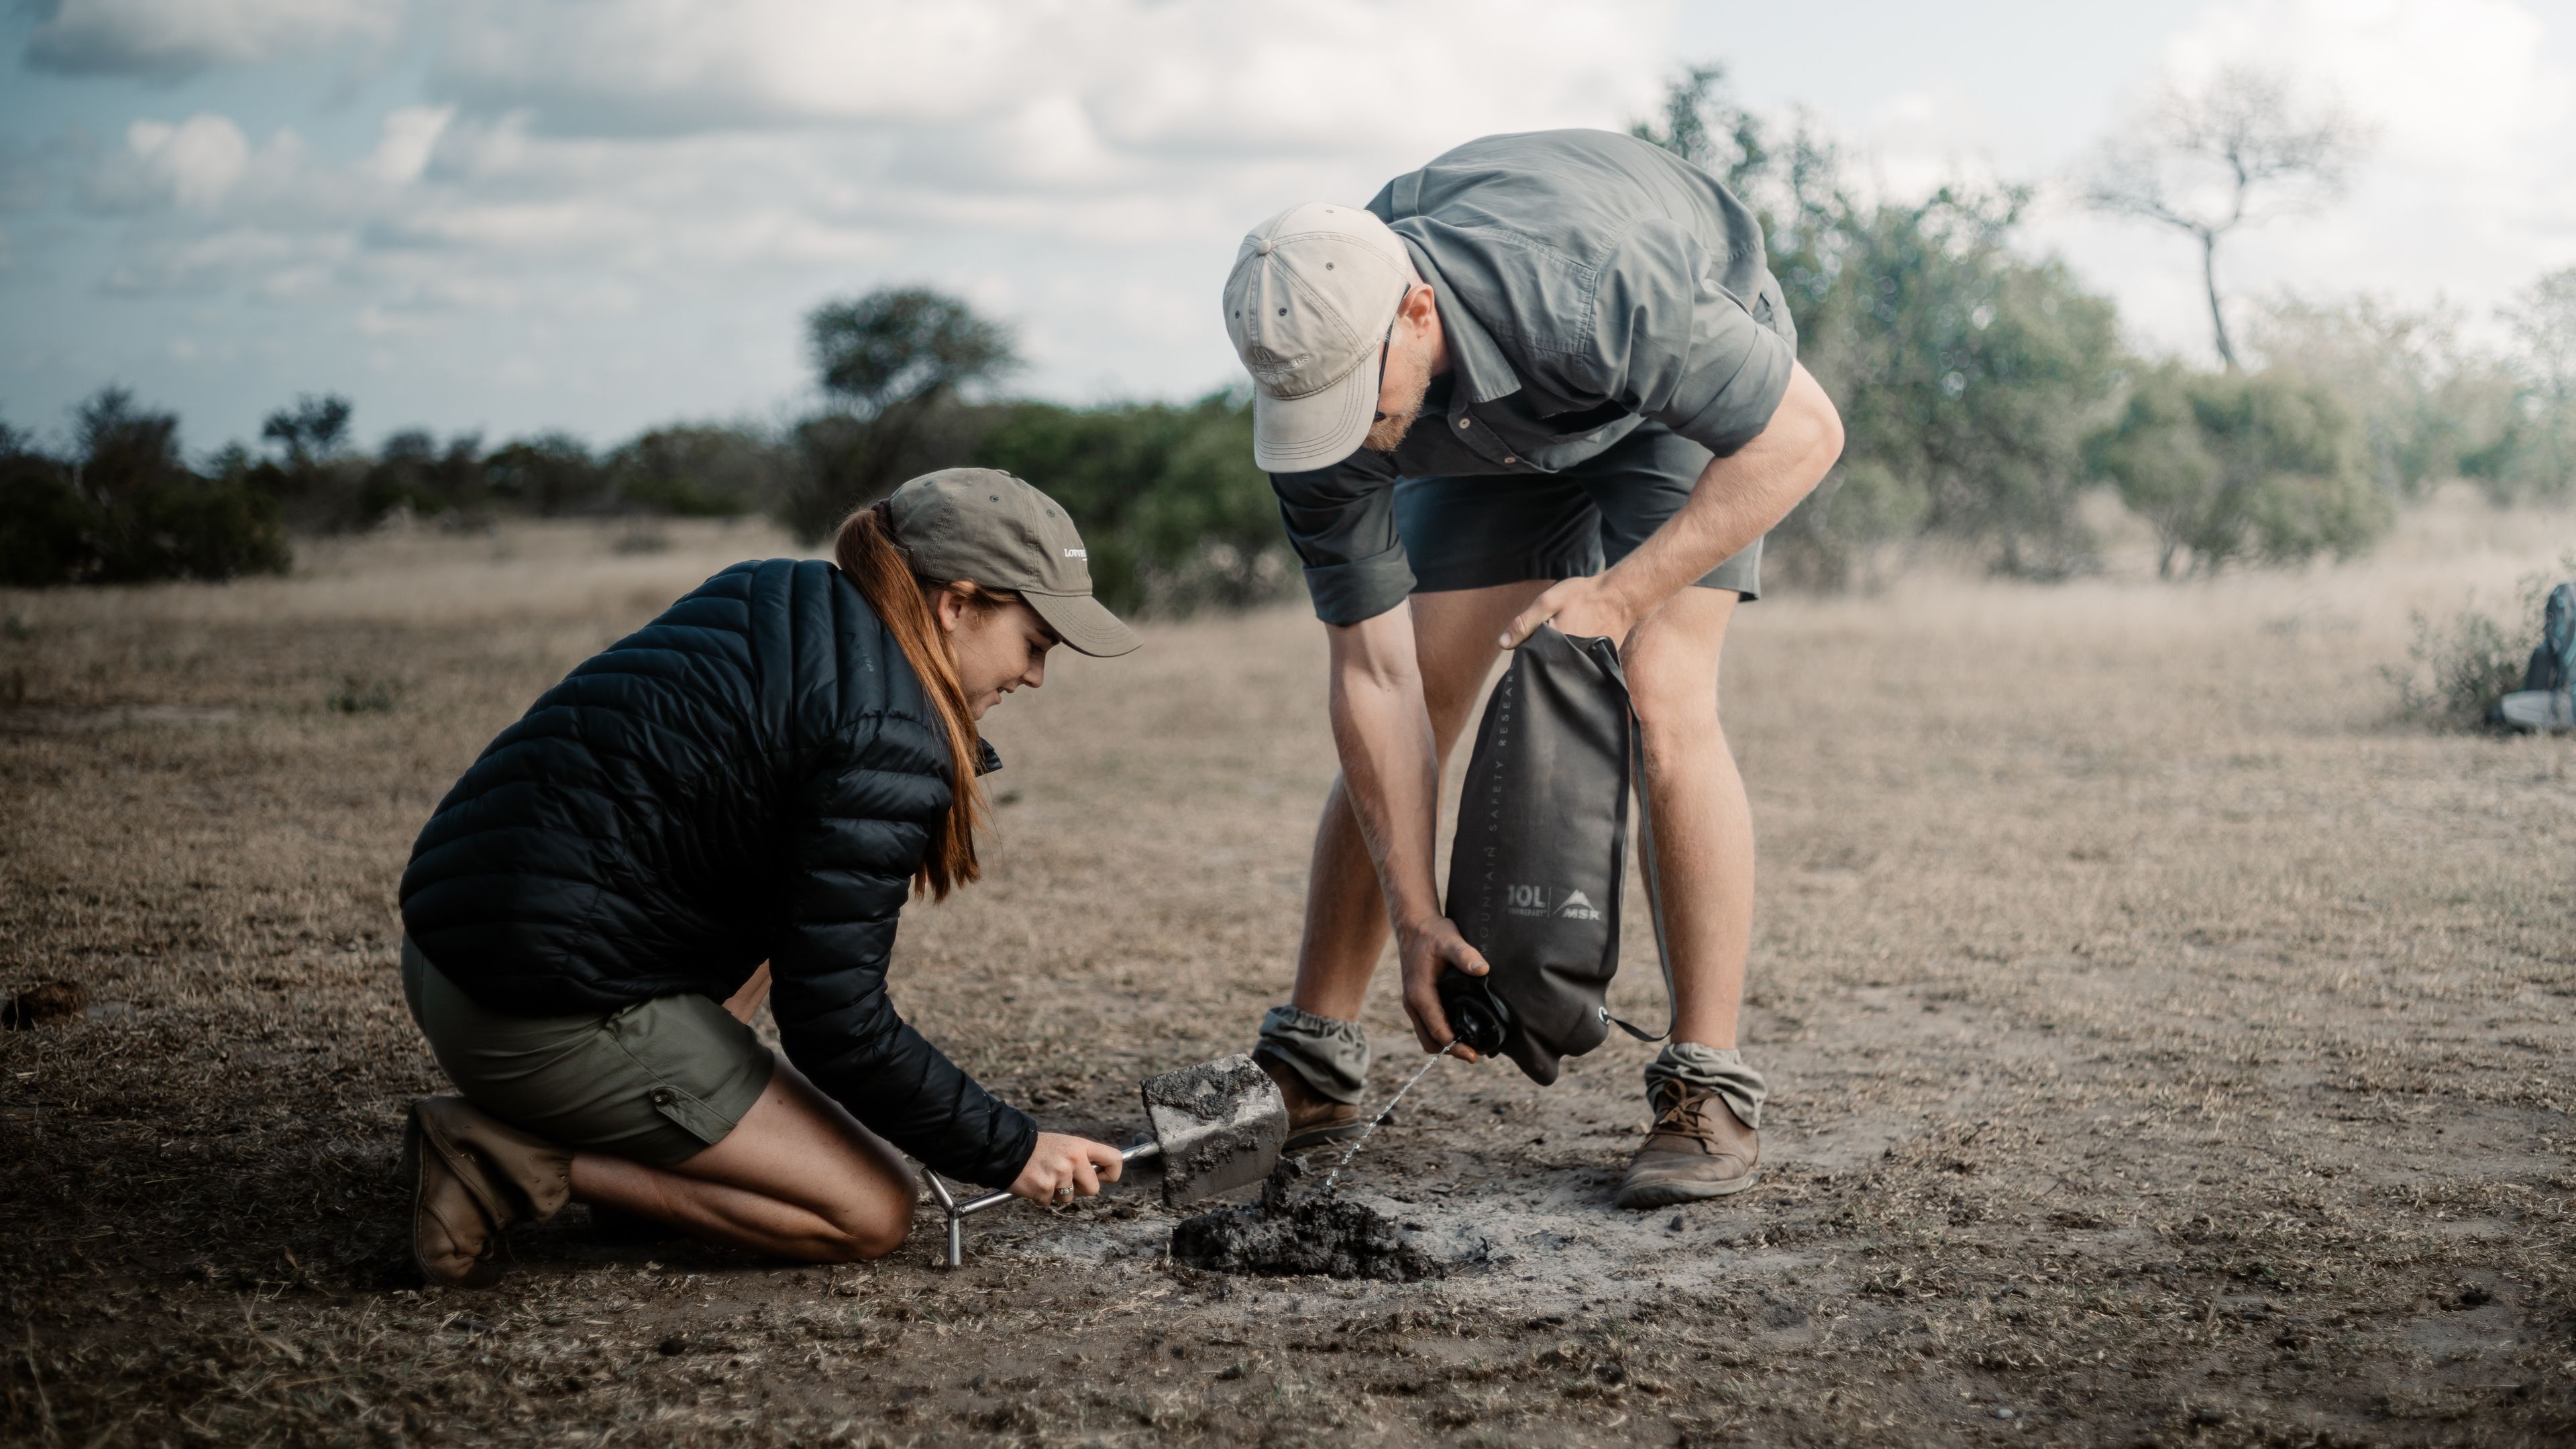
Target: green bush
1173 512
549 475
2535 458
2228 467
839 462
2457 669
126 509
701 472
896 363
1967 376
46 526
2426 405
412 471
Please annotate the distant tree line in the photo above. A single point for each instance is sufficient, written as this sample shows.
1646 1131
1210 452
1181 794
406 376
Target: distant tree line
1174 513
1984 393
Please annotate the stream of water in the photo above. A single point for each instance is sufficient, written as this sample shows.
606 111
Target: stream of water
1376 1122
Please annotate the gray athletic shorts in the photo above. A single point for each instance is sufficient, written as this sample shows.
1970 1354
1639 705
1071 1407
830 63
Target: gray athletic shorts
658 1082
1473 531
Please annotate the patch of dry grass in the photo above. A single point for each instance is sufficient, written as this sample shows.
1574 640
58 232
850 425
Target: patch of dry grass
2169 1045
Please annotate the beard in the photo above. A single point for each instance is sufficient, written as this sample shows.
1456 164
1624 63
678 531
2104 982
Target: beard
1390 428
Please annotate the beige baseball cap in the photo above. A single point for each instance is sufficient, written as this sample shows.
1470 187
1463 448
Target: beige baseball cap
1312 294
989 528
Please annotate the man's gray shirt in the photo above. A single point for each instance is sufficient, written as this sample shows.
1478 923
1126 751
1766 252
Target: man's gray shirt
1587 282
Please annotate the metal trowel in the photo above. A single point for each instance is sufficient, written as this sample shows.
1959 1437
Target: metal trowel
1215 1127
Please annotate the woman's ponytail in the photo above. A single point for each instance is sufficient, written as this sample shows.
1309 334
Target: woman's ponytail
866 551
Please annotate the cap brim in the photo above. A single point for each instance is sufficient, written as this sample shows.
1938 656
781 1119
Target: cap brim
1084 624
1298 435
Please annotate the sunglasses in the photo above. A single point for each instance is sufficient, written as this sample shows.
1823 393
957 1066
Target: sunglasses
1386 345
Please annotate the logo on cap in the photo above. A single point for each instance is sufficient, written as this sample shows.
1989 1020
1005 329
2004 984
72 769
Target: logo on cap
1274 368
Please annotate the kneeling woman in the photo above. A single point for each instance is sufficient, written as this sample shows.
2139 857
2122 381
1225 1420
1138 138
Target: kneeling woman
732 802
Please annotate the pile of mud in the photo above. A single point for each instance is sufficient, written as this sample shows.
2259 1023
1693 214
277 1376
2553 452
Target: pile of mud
1286 1234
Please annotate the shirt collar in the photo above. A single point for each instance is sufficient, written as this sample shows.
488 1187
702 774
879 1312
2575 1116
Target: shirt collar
987 758
1483 373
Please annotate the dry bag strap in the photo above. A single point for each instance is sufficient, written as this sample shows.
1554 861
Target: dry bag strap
1632 776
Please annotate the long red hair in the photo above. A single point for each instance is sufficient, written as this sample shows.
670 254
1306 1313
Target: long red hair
866 551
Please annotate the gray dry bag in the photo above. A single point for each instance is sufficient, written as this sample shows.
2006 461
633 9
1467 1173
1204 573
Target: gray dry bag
1539 859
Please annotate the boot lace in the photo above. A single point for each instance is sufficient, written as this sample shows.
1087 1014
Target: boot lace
1681 1111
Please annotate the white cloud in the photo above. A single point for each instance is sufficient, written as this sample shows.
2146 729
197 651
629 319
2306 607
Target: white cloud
1082 80
410 135
629 202
173 38
202 262
195 162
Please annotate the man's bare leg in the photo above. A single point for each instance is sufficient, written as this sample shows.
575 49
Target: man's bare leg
1346 927
1706 1100
1703 822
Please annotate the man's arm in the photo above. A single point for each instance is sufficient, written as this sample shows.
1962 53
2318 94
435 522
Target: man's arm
1391 776
1738 498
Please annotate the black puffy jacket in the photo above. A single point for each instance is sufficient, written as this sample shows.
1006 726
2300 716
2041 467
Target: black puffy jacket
753 775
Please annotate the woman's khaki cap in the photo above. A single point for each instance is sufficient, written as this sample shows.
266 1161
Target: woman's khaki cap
1312 293
988 528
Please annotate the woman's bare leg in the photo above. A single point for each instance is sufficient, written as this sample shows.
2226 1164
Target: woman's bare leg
797 1177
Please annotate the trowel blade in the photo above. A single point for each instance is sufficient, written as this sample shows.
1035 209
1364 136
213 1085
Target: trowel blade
1220 1125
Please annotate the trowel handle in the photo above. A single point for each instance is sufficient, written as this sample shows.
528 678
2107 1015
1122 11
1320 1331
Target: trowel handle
1141 1152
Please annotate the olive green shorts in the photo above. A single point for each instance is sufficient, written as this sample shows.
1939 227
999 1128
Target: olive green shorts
1478 530
657 1082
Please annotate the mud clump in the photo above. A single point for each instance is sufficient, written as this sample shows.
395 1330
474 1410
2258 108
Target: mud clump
45 1001
1208 1092
1286 1234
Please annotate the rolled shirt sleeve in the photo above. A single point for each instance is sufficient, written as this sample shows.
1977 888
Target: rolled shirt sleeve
1341 520
1717 381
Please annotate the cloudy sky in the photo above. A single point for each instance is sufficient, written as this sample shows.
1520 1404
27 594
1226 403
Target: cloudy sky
600 214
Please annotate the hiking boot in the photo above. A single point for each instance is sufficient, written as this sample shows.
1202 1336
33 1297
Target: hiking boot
471 1176
1313 1118
1698 1149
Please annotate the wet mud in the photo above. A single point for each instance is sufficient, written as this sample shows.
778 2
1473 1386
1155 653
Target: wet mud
1289 1232
1209 1091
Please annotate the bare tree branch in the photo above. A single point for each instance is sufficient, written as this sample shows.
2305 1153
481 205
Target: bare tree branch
2237 151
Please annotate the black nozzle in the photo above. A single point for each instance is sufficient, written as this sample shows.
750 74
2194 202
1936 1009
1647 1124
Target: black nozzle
1478 1019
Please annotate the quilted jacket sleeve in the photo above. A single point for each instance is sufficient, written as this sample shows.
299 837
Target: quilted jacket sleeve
871 798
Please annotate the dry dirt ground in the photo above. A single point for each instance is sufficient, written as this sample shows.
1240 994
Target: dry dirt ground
2168 1046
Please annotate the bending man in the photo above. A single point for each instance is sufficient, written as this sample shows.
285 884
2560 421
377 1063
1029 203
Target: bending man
1546 378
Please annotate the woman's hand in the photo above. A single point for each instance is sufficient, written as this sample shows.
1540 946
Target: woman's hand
1063 1167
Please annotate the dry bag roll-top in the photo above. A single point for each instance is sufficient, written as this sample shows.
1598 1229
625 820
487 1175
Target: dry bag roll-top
1539 861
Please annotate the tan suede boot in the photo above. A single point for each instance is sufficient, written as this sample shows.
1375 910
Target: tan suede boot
471 1176
1698 1149
1313 1118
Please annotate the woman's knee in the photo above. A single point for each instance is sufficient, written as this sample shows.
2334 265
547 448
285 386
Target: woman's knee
869 1229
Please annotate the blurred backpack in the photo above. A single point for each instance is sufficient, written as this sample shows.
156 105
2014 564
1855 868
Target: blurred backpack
2547 699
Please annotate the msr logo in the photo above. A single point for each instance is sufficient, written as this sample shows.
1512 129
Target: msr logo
1531 900
1077 553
